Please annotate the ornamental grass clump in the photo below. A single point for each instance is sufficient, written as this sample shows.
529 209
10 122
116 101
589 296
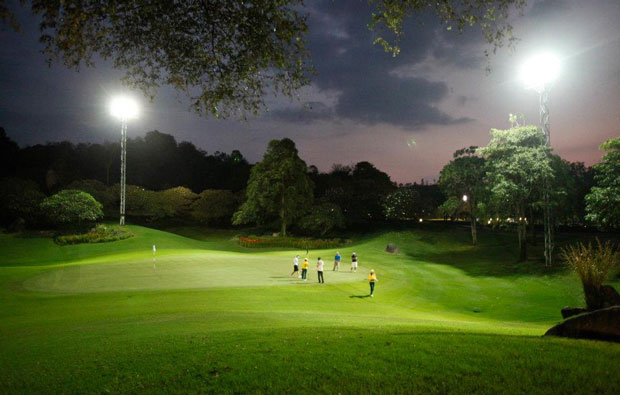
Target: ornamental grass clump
594 265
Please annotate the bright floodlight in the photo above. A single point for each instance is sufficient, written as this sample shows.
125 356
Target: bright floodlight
465 198
124 108
538 72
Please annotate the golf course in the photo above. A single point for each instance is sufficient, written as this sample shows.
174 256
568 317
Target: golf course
203 314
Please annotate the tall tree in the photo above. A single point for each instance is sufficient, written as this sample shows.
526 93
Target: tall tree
279 186
465 176
518 163
603 201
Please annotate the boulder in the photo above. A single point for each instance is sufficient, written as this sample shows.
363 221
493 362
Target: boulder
603 324
610 296
571 311
391 248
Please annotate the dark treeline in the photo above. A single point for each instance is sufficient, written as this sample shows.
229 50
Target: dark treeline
155 161
158 163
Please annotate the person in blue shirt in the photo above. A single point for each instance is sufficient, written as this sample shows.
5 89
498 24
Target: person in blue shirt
337 259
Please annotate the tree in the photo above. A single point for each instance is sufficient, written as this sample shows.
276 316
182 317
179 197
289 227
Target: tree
402 204
101 192
450 208
322 218
491 15
19 198
215 207
465 176
224 55
603 201
518 163
279 186
71 207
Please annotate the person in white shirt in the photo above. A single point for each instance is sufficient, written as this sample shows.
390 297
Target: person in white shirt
319 270
296 266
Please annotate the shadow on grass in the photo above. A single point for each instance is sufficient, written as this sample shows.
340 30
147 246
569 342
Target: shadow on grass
495 255
359 296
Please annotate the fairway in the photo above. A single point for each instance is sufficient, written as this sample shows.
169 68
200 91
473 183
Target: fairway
206 315
177 270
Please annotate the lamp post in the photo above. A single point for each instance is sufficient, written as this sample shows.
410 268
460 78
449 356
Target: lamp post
124 109
538 74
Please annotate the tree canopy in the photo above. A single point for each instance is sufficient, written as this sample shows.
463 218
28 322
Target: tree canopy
603 201
518 165
492 16
223 55
465 175
71 207
279 186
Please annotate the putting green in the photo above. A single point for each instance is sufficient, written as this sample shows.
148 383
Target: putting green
180 270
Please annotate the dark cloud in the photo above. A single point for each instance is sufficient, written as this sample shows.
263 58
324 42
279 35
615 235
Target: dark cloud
347 62
306 113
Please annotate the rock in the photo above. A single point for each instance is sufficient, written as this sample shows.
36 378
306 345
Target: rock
391 248
571 311
610 296
603 324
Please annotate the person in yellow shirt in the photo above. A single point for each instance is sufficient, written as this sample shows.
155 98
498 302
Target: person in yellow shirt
304 269
372 279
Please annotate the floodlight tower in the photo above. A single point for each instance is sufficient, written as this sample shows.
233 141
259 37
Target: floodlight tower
124 109
538 74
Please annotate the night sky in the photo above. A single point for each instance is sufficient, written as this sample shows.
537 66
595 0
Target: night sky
406 115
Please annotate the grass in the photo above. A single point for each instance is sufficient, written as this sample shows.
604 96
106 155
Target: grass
210 316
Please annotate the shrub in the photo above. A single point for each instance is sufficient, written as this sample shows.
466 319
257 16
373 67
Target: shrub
71 207
594 265
99 234
214 206
290 242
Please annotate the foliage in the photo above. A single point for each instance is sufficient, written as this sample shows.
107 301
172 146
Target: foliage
518 165
450 208
101 192
157 205
402 204
321 219
491 15
214 207
175 202
603 201
278 186
289 242
19 199
223 55
71 207
594 265
100 234
465 176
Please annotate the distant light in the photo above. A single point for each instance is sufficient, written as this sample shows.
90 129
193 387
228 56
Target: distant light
465 198
538 72
124 108
421 219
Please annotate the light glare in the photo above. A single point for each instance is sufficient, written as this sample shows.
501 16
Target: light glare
538 72
124 108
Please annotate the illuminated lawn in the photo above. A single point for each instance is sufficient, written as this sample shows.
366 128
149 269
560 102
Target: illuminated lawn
208 315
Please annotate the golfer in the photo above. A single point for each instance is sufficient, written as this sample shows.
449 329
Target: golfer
372 279
337 259
319 270
296 266
354 262
304 269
